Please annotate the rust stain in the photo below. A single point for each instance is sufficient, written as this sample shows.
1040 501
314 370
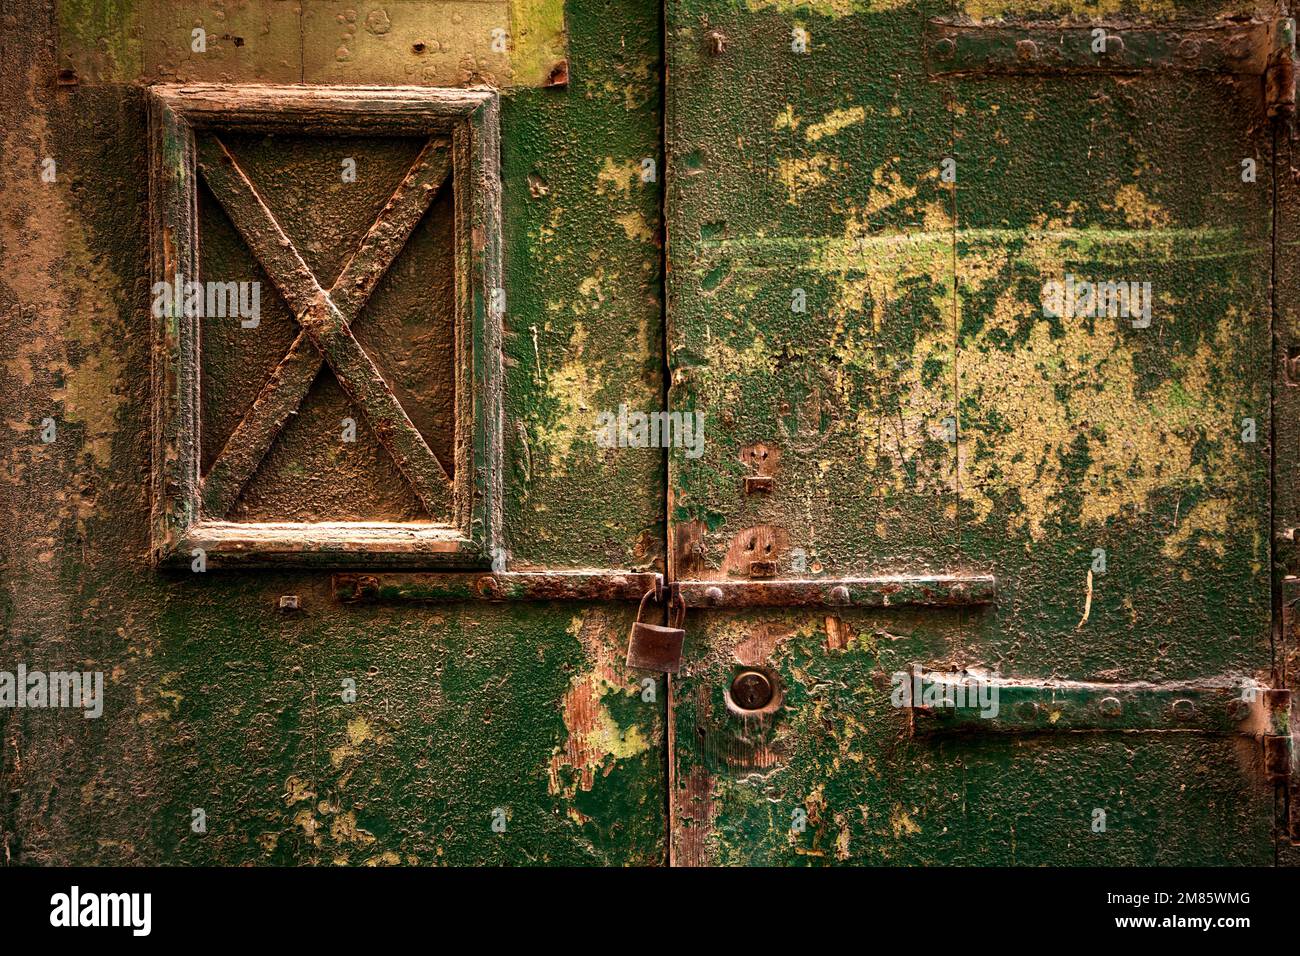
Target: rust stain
595 742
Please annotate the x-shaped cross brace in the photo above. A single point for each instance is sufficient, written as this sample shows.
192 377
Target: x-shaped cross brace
326 336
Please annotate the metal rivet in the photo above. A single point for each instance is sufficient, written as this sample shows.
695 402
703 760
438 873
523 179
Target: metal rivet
1111 707
1026 710
944 49
751 690
839 594
1184 709
1026 49
1114 45
713 595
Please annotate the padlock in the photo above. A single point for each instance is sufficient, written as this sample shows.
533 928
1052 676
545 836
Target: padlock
653 647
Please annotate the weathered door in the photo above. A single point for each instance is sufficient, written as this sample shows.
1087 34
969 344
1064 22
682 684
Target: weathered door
880 220
252 715
359 569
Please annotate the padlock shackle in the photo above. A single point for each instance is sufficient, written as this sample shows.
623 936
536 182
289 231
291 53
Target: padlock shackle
676 605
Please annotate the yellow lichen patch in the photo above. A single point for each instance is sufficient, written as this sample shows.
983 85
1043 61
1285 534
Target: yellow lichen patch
358 732
344 829
636 227
1139 211
296 790
1205 526
617 177
887 190
786 119
1068 386
991 9
834 122
573 388
538 39
595 741
310 825
901 824
48 264
803 173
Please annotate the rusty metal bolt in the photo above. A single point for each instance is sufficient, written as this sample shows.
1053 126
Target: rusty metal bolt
1026 50
1026 710
1183 709
713 595
717 42
1114 45
944 49
1189 49
751 690
1111 707
839 594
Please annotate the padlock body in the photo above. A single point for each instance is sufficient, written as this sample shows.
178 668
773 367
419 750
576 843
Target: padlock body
653 647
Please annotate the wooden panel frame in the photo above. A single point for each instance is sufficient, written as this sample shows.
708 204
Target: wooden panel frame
470 119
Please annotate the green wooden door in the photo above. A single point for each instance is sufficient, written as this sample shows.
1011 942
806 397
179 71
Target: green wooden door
868 206
252 716
921 465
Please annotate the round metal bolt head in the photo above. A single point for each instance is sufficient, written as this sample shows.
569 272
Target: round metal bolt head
1026 49
944 49
839 594
751 690
1184 709
1111 707
714 595
1026 710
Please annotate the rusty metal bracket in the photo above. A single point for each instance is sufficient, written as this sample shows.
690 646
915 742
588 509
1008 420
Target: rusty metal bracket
938 590
940 702
1235 47
1263 48
584 585
935 590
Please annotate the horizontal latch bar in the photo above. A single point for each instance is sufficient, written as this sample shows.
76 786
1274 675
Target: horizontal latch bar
976 702
1234 47
582 585
933 590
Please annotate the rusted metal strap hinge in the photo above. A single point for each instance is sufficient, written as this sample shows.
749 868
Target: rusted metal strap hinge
1263 48
973 700
941 702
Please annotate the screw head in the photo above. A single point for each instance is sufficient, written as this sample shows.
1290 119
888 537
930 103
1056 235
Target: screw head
713 595
944 49
1111 706
1026 49
1184 709
839 594
751 690
1026 710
